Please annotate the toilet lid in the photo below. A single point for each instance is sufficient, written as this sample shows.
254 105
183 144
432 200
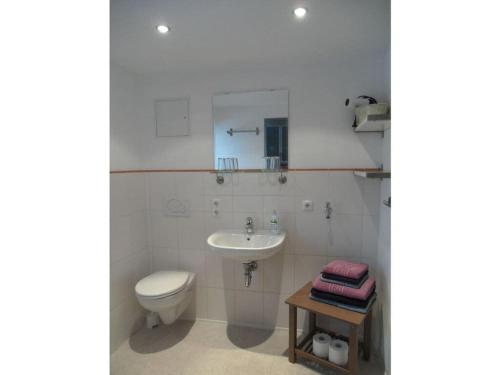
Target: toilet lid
162 284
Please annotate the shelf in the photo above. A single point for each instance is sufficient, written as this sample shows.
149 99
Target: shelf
373 174
374 123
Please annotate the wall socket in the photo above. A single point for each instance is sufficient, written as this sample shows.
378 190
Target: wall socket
307 205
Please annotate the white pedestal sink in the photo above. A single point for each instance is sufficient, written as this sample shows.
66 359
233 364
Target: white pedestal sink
239 245
246 248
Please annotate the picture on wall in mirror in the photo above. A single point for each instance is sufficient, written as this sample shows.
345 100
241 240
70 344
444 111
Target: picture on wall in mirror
252 127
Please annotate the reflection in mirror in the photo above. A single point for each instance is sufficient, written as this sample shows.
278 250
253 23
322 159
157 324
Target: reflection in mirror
251 126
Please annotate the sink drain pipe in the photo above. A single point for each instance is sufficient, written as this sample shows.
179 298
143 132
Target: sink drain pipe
249 268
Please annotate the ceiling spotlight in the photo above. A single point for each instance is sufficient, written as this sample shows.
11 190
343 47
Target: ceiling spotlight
162 29
300 12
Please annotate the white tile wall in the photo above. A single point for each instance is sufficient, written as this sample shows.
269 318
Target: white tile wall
312 240
129 256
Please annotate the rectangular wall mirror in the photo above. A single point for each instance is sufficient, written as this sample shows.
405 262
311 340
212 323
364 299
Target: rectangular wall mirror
251 125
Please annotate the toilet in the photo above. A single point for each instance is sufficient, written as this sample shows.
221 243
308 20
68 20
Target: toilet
166 293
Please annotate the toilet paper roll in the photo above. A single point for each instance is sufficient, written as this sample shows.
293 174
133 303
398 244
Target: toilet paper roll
338 352
321 343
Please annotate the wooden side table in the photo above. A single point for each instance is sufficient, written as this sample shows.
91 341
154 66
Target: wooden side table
304 349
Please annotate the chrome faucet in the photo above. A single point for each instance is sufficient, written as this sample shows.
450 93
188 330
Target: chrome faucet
249 225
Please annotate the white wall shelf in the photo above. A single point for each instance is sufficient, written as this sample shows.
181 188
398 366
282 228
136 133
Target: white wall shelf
374 123
373 174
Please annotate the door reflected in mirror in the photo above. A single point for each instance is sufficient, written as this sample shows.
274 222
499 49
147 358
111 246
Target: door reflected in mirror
251 126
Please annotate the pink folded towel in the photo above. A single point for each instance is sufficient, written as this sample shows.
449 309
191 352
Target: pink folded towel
346 268
362 293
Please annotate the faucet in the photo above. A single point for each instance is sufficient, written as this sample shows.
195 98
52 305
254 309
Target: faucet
249 225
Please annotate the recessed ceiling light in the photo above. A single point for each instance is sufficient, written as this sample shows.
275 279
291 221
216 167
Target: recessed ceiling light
300 12
162 29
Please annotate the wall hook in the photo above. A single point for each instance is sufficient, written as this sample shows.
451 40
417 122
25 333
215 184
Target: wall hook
282 178
219 178
328 210
387 202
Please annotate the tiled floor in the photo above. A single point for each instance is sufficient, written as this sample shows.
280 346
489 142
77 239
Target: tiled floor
211 348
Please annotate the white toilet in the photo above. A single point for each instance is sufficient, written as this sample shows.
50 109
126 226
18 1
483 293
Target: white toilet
166 293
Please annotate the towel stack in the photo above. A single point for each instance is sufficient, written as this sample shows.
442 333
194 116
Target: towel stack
345 284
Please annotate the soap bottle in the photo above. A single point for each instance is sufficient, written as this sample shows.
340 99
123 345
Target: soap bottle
275 227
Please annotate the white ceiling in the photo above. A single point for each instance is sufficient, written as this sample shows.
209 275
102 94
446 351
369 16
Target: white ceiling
218 34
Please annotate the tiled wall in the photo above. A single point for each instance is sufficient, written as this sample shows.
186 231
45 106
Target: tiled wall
130 257
312 240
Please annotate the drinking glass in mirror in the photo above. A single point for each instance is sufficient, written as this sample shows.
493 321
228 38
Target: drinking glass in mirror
252 127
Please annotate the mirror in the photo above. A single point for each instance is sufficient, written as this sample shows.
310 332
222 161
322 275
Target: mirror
250 126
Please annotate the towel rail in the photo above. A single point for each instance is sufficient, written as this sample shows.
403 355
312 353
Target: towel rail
231 131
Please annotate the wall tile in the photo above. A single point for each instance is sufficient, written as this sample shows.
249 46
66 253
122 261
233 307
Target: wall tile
225 203
214 223
211 187
199 305
191 231
315 186
180 242
282 204
347 235
248 204
129 252
220 271
194 261
275 310
138 230
246 184
221 305
164 232
122 277
164 259
249 307
347 197
311 234
307 268
190 186
268 184
161 188
371 197
370 237
120 241
278 273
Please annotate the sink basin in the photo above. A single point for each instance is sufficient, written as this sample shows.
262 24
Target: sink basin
239 245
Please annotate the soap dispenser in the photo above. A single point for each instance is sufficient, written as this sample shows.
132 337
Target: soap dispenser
275 226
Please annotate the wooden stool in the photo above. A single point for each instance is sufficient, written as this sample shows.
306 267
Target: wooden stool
304 348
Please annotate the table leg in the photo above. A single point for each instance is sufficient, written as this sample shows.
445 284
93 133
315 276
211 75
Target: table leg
312 321
353 349
292 333
367 336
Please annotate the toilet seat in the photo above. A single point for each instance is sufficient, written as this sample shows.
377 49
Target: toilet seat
162 284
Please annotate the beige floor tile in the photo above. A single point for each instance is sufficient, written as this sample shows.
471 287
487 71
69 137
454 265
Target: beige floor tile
213 348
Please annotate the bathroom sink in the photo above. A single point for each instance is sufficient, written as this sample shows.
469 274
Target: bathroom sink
239 245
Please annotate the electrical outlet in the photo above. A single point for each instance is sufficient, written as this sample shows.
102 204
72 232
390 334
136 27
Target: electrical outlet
216 202
307 205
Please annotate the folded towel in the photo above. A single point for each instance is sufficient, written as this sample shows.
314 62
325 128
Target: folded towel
361 294
341 299
353 283
348 307
346 268
344 279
